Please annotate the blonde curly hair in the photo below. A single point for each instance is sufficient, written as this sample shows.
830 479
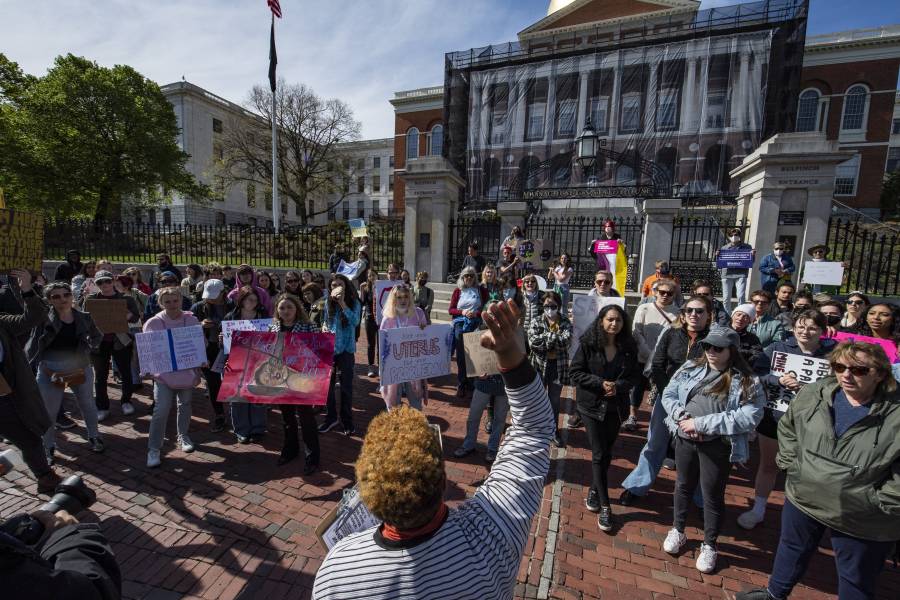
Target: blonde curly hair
400 469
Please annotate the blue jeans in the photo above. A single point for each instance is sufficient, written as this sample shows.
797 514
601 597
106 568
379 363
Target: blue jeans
248 419
476 409
728 284
652 454
165 397
859 562
565 294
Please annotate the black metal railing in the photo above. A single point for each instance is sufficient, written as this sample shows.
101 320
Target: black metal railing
695 241
872 255
464 230
295 247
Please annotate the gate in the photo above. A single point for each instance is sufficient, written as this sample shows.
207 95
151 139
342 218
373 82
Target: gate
465 230
695 241
872 255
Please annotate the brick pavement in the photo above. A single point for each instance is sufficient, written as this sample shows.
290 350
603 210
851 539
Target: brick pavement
225 522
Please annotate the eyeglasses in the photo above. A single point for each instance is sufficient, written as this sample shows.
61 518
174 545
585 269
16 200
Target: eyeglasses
762 302
855 302
61 296
694 311
857 371
665 292
603 282
530 282
711 348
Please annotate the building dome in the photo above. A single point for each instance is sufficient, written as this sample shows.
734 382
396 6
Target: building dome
555 5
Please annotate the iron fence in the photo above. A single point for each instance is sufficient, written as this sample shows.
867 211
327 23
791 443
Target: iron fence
297 247
872 256
695 241
464 230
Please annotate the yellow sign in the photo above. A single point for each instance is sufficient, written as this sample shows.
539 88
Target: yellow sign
23 240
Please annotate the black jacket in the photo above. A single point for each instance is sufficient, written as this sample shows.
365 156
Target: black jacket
751 347
585 373
66 271
74 563
26 397
89 337
673 348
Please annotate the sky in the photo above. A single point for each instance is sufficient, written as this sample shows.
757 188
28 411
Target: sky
361 51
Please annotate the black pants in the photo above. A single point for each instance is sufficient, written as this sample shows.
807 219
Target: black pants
308 427
709 463
101 372
372 340
213 385
602 436
28 442
344 363
637 392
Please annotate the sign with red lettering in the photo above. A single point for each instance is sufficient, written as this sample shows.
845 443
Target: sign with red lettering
413 353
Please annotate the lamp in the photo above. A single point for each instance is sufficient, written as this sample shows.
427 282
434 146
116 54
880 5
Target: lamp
586 147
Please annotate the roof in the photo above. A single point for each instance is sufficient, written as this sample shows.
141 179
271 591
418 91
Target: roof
572 15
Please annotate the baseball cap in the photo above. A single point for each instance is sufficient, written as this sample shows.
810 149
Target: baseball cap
722 337
213 288
102 276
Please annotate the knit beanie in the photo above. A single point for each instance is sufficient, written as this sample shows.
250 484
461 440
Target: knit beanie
747 309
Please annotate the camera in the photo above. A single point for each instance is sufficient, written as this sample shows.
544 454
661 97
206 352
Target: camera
71 495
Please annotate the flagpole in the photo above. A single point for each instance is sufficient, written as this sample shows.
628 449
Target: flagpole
276 205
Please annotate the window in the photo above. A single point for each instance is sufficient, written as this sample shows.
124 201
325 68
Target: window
390 183
268 199
667 109
360 209
283 204
845 176
599 113
251 195
437 140
895 128
893 160
536 110
855 105
151 216
808 111
346 207
220 219
251 221
566 105
391 161
296 209
625 175
167 216
412 144
218 188
715 110
361 164
217 125
631 112
331 215
499 103
376 184
360 184
376 162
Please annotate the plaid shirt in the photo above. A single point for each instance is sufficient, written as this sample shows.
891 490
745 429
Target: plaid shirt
544 341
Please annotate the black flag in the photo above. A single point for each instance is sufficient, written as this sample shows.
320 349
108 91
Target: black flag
273 57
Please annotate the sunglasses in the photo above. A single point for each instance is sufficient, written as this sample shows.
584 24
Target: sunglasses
694 311
664 292
553 306
839 368
712 349
763 302
529 282
603 282
61 296
292 280
855 302
468 275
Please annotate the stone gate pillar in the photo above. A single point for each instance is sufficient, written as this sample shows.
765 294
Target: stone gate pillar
787 186
656 243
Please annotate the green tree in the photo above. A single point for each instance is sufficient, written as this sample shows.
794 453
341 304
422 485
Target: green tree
84 139
890 196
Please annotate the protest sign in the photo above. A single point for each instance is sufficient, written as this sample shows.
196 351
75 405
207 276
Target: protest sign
585 309
278 368
480 360
171 350
382 291
533 254
606 246
358 228
110 316
735 259
229 327
413 353
805 369
23 240
823 273
349 516
349 270
890 348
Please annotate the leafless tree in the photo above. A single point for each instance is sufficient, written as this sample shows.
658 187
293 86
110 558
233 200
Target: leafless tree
311 133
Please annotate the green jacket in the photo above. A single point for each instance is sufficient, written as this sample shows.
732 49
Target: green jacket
769 330
851 484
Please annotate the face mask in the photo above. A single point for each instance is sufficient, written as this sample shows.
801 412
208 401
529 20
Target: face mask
609 230
818 260
735 239
551 312
832 320
778 252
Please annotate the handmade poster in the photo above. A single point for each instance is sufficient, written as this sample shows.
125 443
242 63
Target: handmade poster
229 327
358 228
890 347
382 291
351 270
805 369
23 240
735 259
823 273
171 350
413 353
533 254
349 516
480 360
278 368
606 246
110 316
585 309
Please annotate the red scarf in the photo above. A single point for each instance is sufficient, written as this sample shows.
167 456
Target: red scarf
391 533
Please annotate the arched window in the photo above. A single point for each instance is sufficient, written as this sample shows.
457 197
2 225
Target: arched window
412 144
856 105
437 140
808 110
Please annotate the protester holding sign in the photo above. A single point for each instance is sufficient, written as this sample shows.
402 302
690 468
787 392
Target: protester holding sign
60 351
399 312
735 275
210 311
809 326
828 425
549 338
342 312
248 420
466 303
512 240
169 388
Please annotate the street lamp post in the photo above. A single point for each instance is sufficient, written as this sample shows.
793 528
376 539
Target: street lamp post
586 148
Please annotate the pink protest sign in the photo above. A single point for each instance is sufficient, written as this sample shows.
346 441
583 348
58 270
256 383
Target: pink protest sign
889 347
606 246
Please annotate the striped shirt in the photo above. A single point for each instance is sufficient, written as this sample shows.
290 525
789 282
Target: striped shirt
476 553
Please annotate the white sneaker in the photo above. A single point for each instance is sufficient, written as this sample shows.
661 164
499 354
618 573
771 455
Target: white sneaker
102 415
749 519
674 542
127 408
153 458
706 560
186 444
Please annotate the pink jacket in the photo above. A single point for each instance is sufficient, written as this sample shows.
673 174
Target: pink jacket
391 393
185 378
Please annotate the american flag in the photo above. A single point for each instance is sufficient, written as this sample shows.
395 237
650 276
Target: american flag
275 6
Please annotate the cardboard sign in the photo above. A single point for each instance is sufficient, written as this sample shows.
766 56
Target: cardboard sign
606 246
23 240
171 350
735 259
349 516
229 327
110 316
890 347
351 270
534 254
278 368
806 369
823 273
413 353
358 228
382 291
585 309
480 360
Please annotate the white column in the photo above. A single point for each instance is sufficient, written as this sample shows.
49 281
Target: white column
509 131
521 104
550 123
614 101
688 91
485 114
651 99
702 90
583 107
755 121
743 92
